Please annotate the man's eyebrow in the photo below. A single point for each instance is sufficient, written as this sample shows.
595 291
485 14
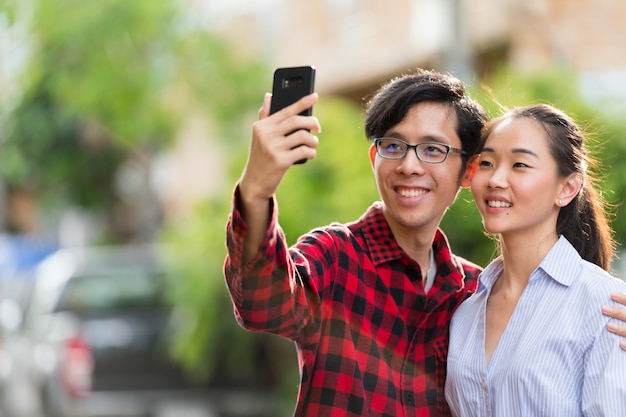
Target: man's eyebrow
515 150
425 138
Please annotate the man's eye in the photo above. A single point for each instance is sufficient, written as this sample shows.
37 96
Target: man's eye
392 147
435 150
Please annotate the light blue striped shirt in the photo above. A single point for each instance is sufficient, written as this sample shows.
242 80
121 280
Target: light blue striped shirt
555 357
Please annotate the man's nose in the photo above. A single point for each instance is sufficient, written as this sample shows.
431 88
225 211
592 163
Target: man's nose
411 163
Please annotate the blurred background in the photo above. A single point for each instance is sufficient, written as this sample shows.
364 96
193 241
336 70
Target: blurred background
127 123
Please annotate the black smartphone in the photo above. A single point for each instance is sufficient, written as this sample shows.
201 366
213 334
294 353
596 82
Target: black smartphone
291 84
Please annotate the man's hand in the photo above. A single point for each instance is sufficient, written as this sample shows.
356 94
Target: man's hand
617 313
278 141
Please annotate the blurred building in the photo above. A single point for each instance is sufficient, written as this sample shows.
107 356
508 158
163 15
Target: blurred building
356 44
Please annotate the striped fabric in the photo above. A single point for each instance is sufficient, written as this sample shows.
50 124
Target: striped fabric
555 357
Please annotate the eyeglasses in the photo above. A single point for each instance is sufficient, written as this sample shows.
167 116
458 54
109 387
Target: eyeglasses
429 152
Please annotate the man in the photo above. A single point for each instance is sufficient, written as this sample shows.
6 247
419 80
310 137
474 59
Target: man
366 303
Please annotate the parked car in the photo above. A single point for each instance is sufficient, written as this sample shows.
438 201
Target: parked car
93 342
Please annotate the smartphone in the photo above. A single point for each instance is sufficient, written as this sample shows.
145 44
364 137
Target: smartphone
291 84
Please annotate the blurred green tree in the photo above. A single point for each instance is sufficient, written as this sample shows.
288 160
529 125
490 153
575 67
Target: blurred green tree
105 85
92 96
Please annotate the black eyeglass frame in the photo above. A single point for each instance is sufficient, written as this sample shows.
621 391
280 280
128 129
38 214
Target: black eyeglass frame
450 149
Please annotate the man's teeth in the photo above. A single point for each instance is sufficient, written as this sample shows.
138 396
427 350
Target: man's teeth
498 204
411 193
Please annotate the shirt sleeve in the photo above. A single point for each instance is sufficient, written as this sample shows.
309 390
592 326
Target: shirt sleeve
269 293
604 390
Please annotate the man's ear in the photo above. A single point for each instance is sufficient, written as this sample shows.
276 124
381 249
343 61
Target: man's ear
470 170
372 154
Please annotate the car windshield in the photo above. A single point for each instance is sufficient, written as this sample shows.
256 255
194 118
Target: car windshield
136 290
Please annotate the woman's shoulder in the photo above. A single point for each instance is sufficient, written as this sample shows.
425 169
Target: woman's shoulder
596 284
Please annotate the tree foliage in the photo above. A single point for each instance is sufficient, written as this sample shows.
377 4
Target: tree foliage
105 85
111 81
92 95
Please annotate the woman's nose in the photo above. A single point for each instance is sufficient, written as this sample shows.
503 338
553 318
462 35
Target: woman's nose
498 178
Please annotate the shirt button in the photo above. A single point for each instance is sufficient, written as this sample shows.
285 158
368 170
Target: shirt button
483 384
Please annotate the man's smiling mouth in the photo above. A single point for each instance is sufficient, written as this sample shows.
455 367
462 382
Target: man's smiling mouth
411 192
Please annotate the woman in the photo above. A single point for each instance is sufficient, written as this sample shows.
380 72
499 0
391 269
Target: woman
532 341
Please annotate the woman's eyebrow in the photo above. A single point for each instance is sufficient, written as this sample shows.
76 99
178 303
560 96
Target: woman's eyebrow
525 151
514 150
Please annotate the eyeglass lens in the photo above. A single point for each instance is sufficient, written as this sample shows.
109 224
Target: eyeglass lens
397 149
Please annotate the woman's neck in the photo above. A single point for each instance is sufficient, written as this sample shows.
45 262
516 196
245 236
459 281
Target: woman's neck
521 255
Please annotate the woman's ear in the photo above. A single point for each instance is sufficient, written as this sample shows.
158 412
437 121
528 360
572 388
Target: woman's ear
470 170
569 189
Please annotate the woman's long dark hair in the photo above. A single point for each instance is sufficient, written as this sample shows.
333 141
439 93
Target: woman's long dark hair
584 221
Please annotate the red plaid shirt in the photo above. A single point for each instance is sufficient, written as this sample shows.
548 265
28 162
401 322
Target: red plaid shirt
369 340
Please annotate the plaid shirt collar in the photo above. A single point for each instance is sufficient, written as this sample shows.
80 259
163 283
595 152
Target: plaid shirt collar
384 248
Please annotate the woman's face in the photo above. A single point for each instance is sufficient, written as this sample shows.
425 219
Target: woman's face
516 185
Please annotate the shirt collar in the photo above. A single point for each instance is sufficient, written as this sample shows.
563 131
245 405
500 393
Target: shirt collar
384 247
560 264
378 236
